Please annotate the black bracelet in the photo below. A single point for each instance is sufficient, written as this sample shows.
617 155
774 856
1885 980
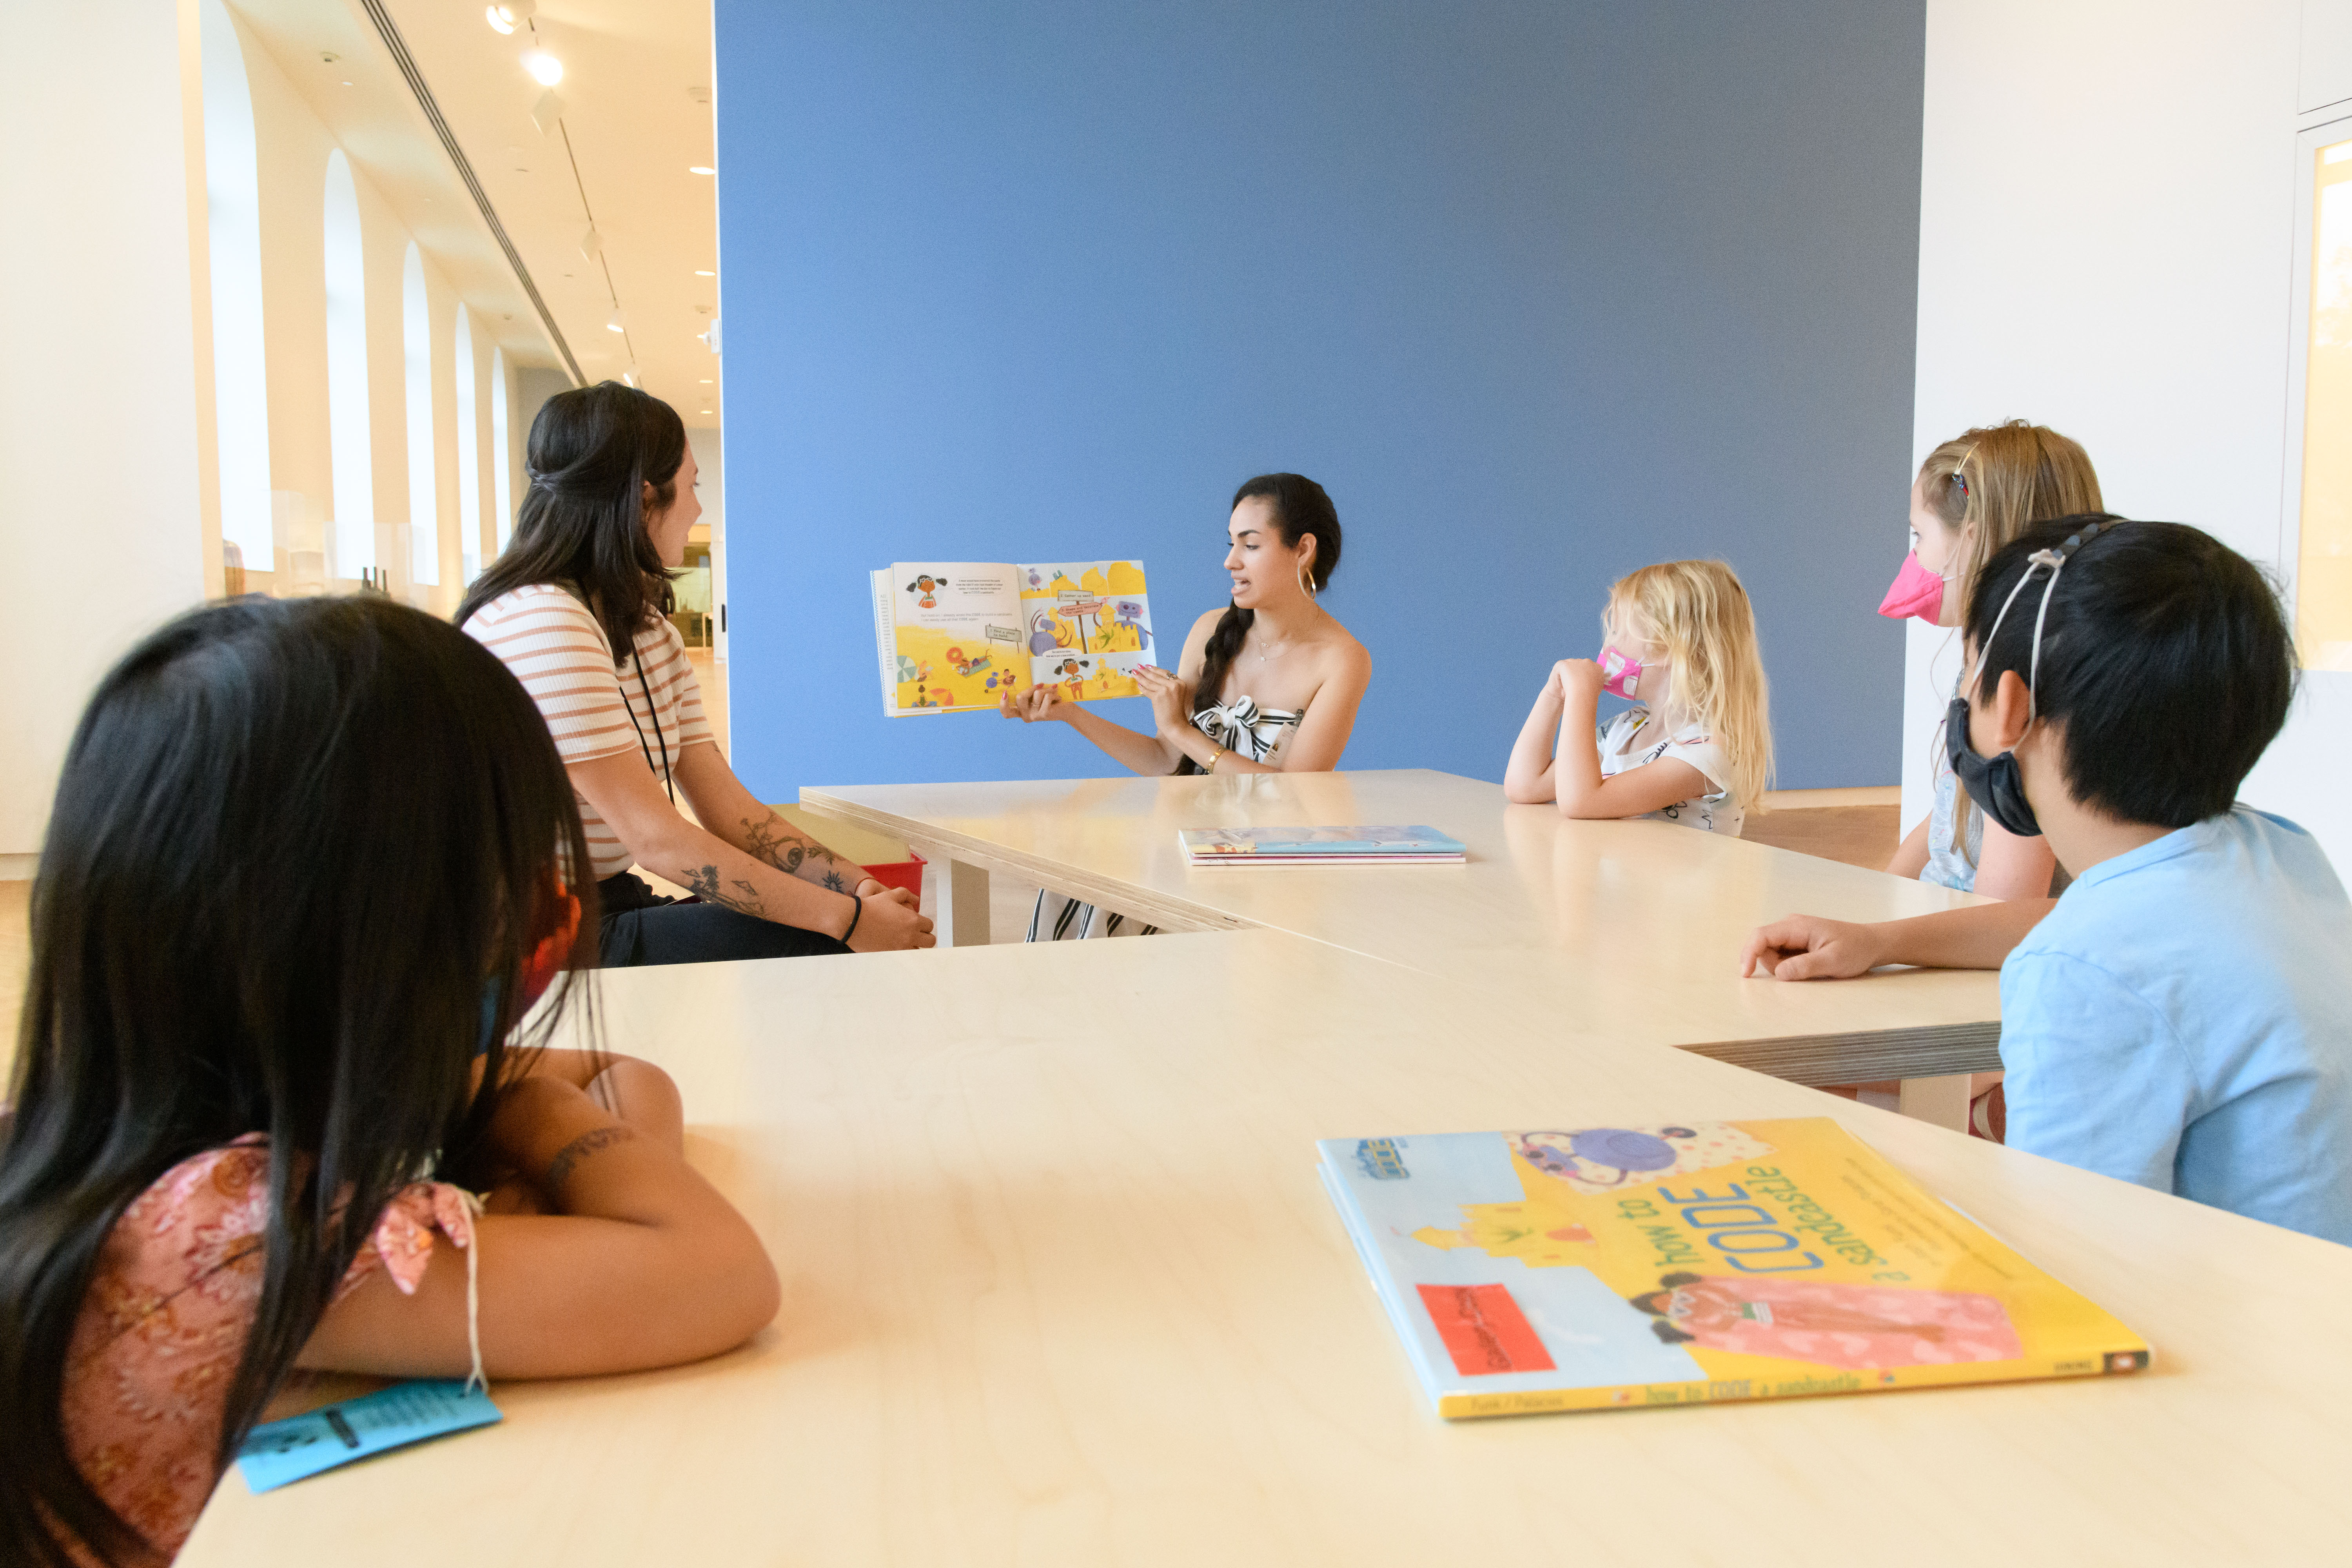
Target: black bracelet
854 915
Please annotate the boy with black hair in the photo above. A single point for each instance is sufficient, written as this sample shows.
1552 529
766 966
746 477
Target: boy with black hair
2178 1017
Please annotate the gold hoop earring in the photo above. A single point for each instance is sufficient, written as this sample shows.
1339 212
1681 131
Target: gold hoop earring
1305 583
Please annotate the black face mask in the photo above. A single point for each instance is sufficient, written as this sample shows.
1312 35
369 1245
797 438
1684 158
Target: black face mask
1996 786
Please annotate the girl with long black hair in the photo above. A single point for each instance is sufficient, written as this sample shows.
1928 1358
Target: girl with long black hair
311 862
577 608
1269 684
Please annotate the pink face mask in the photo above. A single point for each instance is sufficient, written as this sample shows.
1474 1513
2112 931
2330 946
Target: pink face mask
1916 592
1622 675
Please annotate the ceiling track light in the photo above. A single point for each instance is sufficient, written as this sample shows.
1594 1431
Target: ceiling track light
547 111
513 13
591 244
613 324
544 67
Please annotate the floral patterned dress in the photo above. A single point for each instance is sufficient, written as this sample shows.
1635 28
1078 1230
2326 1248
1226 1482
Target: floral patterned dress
165 1321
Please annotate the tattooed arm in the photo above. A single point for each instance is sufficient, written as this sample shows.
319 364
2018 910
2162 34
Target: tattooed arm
737 815
642 1263
629 797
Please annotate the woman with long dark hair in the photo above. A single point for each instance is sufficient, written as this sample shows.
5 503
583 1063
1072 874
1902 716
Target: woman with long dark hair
577 607
1270 683
311 861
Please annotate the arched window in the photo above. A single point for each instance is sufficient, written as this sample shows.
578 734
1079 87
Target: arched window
501 455
416 352
233 228
470 436
347 381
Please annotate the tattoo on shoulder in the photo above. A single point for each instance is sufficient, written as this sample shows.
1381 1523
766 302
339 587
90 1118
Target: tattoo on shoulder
567 1159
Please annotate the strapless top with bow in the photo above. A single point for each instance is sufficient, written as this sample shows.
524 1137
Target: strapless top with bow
1244 729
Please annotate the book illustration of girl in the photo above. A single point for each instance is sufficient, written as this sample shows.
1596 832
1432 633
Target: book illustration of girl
1600 1159
966 665
1855 1327
925 588
1073 676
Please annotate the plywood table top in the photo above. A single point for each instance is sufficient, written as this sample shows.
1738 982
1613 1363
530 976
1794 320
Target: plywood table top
1636 925
1062 1288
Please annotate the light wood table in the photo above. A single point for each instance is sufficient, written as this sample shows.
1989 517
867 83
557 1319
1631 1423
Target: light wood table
1639 921
1062 1288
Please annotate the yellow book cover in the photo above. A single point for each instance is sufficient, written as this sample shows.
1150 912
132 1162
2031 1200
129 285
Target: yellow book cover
960 637
1609 1267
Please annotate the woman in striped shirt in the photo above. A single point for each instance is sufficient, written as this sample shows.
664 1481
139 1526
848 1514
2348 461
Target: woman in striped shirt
576 607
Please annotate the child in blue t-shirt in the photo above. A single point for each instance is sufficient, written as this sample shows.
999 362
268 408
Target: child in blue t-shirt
2178 1017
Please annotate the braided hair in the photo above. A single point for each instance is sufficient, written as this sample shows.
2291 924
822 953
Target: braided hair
1300 507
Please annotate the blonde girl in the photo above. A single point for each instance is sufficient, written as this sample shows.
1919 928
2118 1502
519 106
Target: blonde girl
1974 494
1696 747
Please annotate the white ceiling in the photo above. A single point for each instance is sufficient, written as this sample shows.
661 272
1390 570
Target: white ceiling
637 90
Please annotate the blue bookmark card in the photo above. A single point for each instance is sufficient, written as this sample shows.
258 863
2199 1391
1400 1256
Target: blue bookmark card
302 1446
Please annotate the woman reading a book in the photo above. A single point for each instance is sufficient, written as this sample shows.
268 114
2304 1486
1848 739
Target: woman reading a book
1267 685
577 610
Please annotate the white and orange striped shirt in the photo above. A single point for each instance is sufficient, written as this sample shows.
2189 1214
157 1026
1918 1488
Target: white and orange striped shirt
560 653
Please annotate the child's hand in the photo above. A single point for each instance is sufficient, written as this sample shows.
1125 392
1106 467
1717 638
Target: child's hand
1806 947
1578 678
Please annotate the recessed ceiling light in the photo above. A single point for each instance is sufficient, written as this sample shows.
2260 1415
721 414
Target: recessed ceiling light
704 382
700 169
544 67
700 273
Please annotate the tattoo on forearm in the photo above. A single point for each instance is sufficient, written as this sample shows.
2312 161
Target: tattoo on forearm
739 894
837 881
773 839
567 1159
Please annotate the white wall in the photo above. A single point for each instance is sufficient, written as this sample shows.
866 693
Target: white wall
2107 225
98 417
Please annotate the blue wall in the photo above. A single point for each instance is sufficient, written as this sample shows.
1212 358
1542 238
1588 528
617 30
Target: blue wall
1539 289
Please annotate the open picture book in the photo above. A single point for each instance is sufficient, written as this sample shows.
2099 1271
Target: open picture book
1598 1267
956 636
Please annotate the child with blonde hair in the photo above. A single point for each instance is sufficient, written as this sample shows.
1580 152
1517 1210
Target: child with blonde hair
1679 639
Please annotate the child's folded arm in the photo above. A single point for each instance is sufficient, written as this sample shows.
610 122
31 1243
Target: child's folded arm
1650 787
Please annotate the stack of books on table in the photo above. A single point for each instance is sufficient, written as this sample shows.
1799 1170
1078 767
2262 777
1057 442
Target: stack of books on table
1320 846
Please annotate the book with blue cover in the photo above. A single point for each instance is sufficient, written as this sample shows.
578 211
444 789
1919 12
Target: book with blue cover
1597 1268
1318 846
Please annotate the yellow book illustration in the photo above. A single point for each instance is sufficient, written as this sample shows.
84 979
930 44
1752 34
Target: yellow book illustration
1607 1268
958 636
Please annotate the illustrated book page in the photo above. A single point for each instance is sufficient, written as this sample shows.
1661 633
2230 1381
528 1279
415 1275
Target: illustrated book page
949 637
1085 626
